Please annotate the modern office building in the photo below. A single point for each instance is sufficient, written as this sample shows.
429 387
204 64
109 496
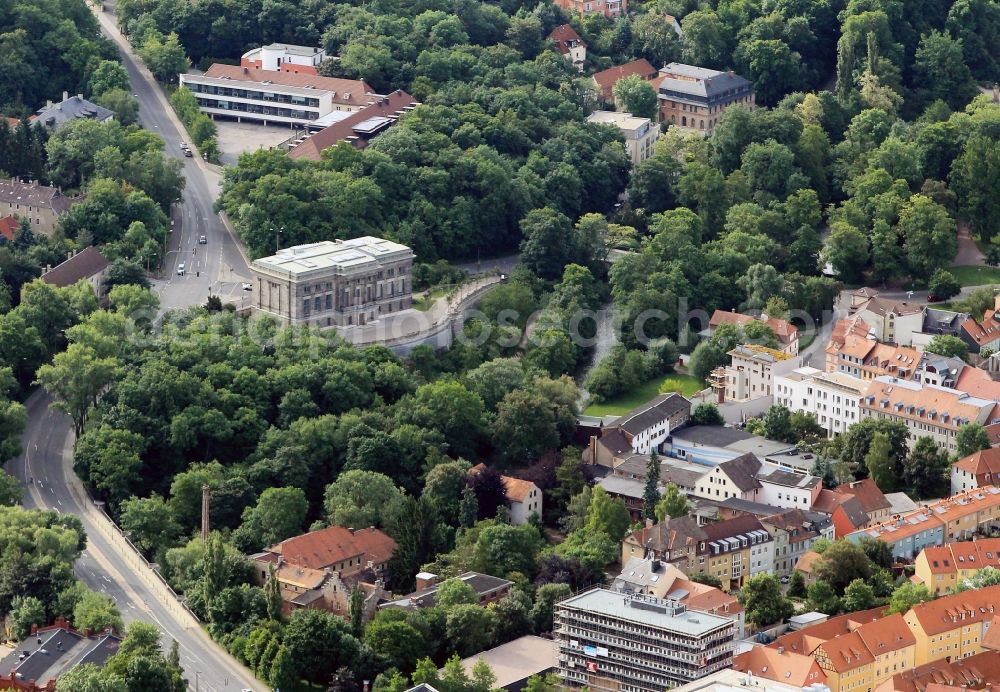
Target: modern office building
274 97
334 283
284 57
634 643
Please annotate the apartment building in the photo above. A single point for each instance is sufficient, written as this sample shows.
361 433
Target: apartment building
867 656
735 550
927 410
976 470
694 98
891 321
907 534
870 498
952 627
640 134
942 568
794 533
977 672
867 358
674 541
751 372
334 283
274 97
608 8
747 478
618 642
780 666
284 57
833 398
39 205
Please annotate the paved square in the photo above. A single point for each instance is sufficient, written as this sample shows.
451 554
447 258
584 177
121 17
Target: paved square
236 138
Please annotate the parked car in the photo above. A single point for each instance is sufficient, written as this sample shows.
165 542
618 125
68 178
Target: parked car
202 240
931 298
180 269
785 579
187 153
247 286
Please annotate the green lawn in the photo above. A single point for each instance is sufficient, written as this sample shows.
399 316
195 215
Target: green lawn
976 276
428 298
640 395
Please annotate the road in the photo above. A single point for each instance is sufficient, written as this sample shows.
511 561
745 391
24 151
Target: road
45 471
219 266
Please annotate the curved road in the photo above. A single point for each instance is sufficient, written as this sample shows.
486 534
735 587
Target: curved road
45 468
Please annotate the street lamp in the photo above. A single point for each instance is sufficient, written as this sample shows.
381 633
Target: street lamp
277 238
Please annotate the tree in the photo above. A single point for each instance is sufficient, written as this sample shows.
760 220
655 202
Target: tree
881 463
108 75
651 492
763 602
944 285
842 563
89 678
607 514
673 504
925 469
822 598
10 490
455 591
797 585
707 579
469 628
279 514
272 592
164 57
525 426
75 379
971 438
96 612
761 282
878 552
941 70
149 523
929 237
549 682
634 95
707 414
361 498
548 242
321 643
490 490
546 597
25 611
778 424
847 250
948 346
138 303
858 596
906 596
975 174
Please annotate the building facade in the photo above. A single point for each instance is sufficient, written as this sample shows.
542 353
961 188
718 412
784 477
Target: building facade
976 470
952 627
640 133
751 372
609 8
39 205
942 568
794 533
570 45
694 98
833 398
635 643
334 283
274 97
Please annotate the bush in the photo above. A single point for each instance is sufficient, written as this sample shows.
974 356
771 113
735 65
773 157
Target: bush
201 128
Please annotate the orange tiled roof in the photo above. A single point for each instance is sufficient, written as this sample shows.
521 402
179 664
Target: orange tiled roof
939 559
886 635
871 498
9 226
975 672
807 562
606 79
786 667
846 652
517 489
938 401
828 500
978 383
562 34
805 640
959 610
320 549
985 332
982 462
358 89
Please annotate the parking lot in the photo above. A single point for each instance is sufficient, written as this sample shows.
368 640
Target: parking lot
236 138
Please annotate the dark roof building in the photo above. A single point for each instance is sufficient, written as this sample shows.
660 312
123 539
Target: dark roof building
489 588
742 471
51 651
71 108
85 265
701 94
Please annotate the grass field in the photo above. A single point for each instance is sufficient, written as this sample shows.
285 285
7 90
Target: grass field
427 299
976 276
640 395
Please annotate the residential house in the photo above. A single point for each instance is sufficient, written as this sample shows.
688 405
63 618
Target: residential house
978 383
807 565
640 134
488 588
284 57
942 568
357 128
600 632
348 552
891 321
906 535
516 661
733 478
323 589
751 372
832 398
524 499
274 97
872 500
936 322
608 8
849 516
674 541
339 283
786 333
87 265
641 430
977 672
866 358
35 664
976 470
653 577
54 115
982 334
941 370
774 665
39 205
804 640
570 45
694 98
952 627
794 533
605 80
735 550
927 410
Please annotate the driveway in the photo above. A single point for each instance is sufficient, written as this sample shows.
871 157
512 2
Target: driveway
968 253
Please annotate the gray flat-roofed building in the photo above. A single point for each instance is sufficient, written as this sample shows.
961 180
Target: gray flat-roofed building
633 643
516 661
334 283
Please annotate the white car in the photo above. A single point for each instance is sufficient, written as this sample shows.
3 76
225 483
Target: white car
180 269
247 286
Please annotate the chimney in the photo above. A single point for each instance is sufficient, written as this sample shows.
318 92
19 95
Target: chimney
426 580
79 96
65 95
48 104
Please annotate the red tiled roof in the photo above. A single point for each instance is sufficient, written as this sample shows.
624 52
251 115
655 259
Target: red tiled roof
780 666
9 226
959 610
562 34
517 489
983 333
390 106
981 463
606 79
976 672
320 549
871 498
828 500
785 331
978 383
360 91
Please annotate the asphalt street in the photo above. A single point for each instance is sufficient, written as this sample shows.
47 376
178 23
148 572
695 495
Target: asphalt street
217 267
45 471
